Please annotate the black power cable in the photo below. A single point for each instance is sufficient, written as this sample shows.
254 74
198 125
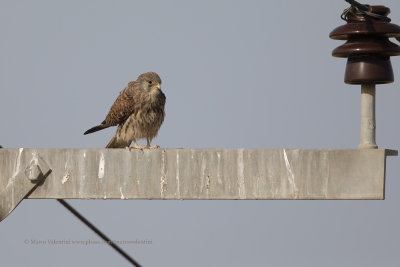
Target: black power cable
98 232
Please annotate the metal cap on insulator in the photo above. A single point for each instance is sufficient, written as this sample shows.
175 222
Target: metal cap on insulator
368 48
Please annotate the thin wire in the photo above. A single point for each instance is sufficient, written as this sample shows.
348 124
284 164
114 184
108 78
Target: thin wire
98 232
363 9
357 5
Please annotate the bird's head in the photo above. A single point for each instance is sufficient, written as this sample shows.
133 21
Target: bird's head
150 82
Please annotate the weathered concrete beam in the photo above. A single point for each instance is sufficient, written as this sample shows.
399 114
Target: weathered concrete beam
203 173
191 174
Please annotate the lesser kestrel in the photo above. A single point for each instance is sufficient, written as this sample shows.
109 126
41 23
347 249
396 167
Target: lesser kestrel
138 111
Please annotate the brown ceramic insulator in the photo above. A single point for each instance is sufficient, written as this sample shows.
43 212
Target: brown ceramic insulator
367 45
386 29
367 48
368 69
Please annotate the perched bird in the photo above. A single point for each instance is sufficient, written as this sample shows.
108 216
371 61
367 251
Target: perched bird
138 111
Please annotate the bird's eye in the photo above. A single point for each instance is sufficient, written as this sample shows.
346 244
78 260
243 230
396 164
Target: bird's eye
150 82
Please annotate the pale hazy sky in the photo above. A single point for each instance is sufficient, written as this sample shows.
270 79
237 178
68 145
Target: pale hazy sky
237 74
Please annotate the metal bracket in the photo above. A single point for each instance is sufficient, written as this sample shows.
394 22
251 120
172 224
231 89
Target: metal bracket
22 184
37 170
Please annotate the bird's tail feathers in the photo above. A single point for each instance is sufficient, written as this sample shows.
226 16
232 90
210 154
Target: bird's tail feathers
96 128
115 143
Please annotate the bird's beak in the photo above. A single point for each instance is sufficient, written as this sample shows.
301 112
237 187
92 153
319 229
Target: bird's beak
158 86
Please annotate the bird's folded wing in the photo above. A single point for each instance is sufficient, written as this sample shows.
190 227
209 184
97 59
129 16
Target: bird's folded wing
123 106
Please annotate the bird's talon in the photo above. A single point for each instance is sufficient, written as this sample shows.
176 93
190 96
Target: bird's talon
129 148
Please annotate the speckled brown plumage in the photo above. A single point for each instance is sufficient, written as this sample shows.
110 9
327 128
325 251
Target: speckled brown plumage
138 111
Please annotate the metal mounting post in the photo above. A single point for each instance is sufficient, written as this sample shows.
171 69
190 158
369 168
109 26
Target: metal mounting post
368 127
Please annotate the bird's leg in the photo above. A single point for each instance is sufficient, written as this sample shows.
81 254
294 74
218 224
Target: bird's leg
136 146
148 144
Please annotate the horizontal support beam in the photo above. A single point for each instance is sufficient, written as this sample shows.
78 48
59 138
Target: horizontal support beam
201 173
